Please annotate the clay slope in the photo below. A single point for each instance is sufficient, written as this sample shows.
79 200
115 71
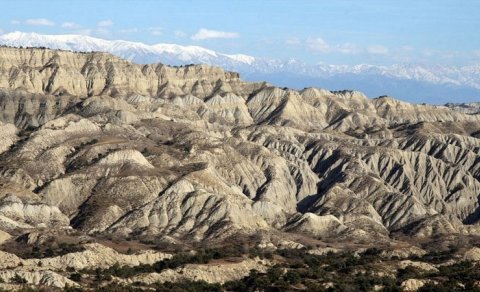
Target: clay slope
103 146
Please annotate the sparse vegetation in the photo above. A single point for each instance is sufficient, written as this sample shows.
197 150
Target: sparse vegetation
17 279
49 249
201 257
294 269
76 277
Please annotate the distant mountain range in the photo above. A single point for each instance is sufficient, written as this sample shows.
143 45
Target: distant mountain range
409 82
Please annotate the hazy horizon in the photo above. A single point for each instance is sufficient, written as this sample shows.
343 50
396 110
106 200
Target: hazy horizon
329 32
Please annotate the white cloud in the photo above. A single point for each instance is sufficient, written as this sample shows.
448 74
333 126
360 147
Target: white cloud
180 34
429 52
156 31
204 34
434 53
292 41
15 22
85 31
347 48
102 31
129 30
377 50
105 23
318 45
407 49
321 46
71 25
40 22
476 53
1 31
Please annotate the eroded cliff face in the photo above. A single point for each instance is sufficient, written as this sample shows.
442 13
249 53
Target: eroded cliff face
89 74
98 144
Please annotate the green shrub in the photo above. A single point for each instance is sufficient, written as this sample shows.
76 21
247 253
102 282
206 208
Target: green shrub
188 286
274 273
409 272
75 277
292 277
17 279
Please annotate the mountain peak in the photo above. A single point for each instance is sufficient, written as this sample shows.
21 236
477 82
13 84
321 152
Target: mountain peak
173 54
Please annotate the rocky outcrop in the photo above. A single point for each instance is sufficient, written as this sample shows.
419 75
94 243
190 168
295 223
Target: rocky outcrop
90 74
94 255
48 271
37 278
472 254
404 252
9 135
413 284
417 265
212 273
467 108
17 214
317 225
98 256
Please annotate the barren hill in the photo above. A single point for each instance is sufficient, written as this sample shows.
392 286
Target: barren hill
103 146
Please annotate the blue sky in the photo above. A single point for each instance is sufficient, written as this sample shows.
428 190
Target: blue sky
333 32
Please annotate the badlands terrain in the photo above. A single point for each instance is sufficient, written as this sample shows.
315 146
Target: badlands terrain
115 175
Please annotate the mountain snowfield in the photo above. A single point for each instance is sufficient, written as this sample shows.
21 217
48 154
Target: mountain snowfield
411 82
133 51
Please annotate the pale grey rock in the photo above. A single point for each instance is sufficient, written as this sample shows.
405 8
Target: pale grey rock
413 284
467 108
418 265
38 278
212 273
403 252
14 213
104 146
472 254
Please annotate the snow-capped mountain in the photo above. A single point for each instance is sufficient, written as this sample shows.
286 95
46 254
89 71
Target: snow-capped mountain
412 82
135 51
